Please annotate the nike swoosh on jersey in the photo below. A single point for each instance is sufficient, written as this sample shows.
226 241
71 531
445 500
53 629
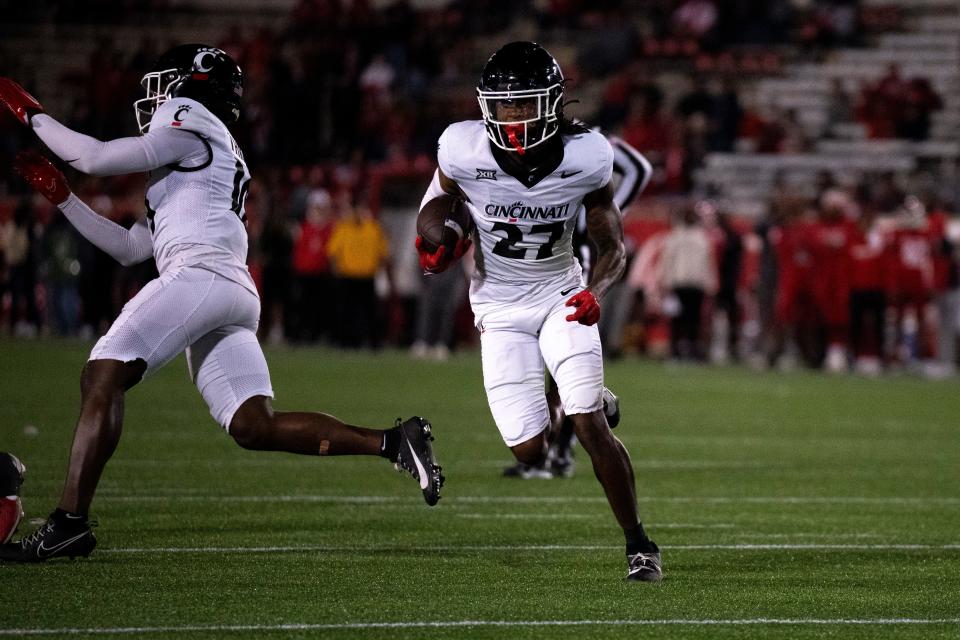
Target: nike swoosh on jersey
567 174
566 291
421 472
44 552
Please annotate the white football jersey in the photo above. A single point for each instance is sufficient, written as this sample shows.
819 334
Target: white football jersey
524 233
195 208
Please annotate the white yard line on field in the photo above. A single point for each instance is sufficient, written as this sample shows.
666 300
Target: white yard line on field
675 463
588 516
810 535
447 624
879 500
529 547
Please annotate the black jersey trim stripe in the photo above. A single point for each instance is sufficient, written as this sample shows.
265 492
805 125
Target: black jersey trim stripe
177 167
642 165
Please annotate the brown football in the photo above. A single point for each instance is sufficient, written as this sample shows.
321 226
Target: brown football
443 221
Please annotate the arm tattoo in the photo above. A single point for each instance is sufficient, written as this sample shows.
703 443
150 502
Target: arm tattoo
605 229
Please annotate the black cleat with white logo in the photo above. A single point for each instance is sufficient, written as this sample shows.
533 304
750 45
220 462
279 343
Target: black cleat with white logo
645 566
611 408
52 540
416 457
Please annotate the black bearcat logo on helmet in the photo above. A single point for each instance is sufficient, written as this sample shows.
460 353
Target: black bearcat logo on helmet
200 61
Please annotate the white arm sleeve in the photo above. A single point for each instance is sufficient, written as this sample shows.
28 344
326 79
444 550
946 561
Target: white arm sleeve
123 155
125 246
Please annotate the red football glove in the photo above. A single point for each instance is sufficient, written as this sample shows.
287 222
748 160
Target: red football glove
42 176
588 309
439 260
15 98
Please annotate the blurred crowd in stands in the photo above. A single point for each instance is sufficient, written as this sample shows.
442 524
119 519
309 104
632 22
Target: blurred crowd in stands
840 282
345 100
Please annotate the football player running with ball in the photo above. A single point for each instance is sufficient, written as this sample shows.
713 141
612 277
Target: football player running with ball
525 172
204 302
631 172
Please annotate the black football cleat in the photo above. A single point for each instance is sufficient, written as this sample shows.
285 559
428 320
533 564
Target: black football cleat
517 470
645 566
560 465
416 457
611 408
555 465
526 471
51 540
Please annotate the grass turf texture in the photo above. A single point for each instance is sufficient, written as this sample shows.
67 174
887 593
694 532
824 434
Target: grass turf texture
773 496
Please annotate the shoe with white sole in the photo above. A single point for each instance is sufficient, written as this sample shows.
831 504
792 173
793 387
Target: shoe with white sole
645 567
53 539
611 408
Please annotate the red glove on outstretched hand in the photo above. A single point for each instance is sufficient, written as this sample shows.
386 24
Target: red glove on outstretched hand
439 260
588 309
15 98
42 176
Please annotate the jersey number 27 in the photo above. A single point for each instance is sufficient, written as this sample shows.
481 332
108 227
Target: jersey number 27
508 247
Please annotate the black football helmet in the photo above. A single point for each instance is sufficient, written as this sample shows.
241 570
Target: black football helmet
196 71
521 96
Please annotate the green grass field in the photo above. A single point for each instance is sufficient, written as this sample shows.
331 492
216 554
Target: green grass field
786 505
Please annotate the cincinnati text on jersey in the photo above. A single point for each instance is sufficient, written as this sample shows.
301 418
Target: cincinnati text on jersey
521 211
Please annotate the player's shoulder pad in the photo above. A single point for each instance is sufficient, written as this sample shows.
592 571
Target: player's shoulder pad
460 143
185 114
594 152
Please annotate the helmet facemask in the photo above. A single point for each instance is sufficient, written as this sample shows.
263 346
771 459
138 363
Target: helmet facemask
538 114
158 85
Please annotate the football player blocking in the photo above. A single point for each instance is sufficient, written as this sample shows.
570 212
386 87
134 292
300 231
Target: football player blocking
526 171
204 301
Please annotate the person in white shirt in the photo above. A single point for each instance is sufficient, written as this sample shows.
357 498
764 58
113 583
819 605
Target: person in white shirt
525 173
688 274
204 301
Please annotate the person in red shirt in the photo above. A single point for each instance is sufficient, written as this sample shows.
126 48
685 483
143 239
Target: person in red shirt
912 278
311 268
829 239
794 297
869 264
